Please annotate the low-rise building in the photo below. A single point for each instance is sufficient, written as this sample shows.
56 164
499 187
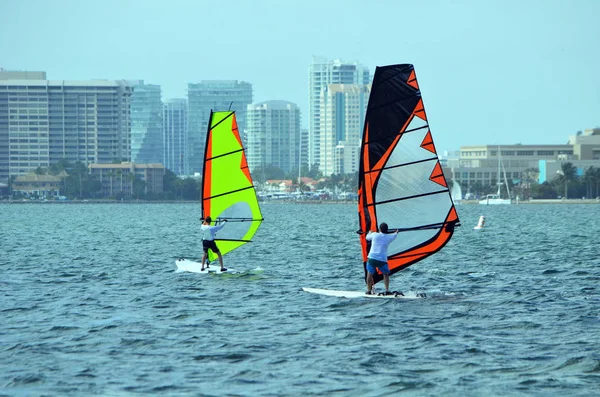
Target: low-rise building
41 186
121 178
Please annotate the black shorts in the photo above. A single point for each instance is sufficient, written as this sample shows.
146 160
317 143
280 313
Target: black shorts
210 244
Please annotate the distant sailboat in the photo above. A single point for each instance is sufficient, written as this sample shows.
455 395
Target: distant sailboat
227 189
496 199
456 192
400 178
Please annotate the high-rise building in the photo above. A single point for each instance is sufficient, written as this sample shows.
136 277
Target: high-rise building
43 121
303 150
216 95
323 72
146 123
273 135
175 119
343 108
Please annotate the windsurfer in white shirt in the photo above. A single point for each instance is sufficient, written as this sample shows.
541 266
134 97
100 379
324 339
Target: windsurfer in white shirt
377 258
208 241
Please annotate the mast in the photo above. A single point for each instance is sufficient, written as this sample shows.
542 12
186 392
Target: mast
506 181
498 177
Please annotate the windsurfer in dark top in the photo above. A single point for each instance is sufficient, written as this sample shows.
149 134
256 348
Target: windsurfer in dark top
208 241
377 258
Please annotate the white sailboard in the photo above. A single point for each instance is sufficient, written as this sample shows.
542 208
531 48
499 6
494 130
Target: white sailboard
362 294
187 265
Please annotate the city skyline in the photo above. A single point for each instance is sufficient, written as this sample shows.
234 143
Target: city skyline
497 72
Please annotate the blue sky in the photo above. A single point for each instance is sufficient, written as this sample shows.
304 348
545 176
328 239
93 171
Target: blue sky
490 71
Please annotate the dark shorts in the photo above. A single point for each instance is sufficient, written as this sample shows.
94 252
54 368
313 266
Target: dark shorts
210 244
374 263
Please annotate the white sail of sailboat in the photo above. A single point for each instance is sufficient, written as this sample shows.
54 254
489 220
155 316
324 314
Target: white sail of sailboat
496 199
456 192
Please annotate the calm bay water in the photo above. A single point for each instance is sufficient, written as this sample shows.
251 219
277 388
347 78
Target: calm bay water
91 305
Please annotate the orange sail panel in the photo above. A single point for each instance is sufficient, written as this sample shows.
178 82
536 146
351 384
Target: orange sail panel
400 178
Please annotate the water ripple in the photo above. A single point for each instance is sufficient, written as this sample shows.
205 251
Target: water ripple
96 308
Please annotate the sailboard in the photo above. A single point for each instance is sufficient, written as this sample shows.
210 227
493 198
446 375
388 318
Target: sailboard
361 294
227 191
188 265
401 181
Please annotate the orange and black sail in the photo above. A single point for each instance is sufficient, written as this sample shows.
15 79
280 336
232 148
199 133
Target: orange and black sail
400 178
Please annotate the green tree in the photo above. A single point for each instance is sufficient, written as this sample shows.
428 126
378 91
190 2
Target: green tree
589 177
566 174
543 191
314 172
190 189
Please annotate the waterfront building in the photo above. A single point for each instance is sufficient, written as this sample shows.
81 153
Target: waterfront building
41 186
175 136
217 95
121 178
477 166
146 123
343 108
44 121
273 135
323 72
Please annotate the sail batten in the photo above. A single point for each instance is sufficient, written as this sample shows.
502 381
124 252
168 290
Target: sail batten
400 182
402 165
224 154
407 198
228 192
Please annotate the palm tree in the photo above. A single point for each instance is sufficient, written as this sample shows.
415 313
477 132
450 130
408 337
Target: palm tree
597 181
589 179
131 178
566 174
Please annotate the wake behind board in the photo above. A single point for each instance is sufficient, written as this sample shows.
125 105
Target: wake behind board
186 265
361 294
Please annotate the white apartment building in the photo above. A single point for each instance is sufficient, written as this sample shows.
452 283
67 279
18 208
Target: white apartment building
43 121
217 95
274 136
323 72
343 108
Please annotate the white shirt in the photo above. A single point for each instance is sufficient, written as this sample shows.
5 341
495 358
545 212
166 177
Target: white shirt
208 232
379 245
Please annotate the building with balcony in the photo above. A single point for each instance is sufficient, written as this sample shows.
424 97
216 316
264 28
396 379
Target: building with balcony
217 95
273 135
121 178
44 121
323 72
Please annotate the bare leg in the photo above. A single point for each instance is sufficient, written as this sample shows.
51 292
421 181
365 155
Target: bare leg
220 260
386 281
369 282
203 260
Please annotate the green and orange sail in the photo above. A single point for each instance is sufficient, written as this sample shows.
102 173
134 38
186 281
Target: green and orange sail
227 189
401 181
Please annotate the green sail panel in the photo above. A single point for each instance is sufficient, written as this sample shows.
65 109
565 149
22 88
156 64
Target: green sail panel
227 188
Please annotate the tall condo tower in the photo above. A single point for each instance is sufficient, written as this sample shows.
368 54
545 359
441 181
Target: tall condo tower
343 109
146 123
323 72
216 95
175 135
44 121
274 135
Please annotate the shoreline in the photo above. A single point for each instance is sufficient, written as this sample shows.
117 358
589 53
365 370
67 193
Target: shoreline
280 202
